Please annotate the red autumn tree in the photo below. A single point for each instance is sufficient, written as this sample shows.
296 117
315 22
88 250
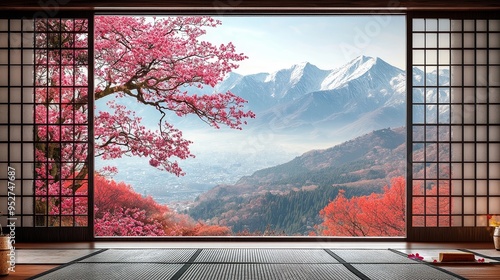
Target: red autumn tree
374 215
151 61
120 211
110 195
431 204
384 214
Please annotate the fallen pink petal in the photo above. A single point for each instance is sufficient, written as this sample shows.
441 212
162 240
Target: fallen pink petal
416 256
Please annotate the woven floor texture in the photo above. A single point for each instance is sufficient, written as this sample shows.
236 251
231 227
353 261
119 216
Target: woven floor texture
246 264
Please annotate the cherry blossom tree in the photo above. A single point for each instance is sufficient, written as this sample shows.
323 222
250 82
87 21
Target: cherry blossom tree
150 60
61 120
153 62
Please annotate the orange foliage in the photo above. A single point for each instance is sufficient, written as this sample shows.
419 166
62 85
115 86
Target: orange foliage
374 215
202 229
435 202
384 214
109 195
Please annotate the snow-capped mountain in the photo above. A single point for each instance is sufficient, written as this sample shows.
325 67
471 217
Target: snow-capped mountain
301 79
431 96
264 90
365 94
361 96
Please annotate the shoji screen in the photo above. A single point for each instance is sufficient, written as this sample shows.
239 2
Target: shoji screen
16 122
45 144
453 126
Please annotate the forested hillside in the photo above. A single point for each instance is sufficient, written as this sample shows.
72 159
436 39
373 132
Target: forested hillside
286 199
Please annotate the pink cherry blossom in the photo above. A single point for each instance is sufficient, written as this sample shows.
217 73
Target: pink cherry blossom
151 61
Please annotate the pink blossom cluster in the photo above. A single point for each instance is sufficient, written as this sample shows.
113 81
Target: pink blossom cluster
153 61
149 61
127 222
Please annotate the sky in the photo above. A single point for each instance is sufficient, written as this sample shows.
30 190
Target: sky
278 42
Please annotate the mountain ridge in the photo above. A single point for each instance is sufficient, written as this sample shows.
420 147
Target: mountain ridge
306 77
366 91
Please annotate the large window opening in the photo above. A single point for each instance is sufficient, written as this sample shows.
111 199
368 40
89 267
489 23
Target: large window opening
319 145
269 177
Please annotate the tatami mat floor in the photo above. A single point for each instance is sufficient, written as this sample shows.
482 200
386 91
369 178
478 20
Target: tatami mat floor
242 260
246 264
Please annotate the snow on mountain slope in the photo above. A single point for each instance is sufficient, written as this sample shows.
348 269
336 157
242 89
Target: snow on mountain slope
363 75
365 94
291 83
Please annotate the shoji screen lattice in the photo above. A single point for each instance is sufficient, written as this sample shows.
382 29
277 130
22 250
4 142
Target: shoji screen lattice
454 127
45 133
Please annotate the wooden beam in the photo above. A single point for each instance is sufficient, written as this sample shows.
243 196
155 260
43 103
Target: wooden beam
246 4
